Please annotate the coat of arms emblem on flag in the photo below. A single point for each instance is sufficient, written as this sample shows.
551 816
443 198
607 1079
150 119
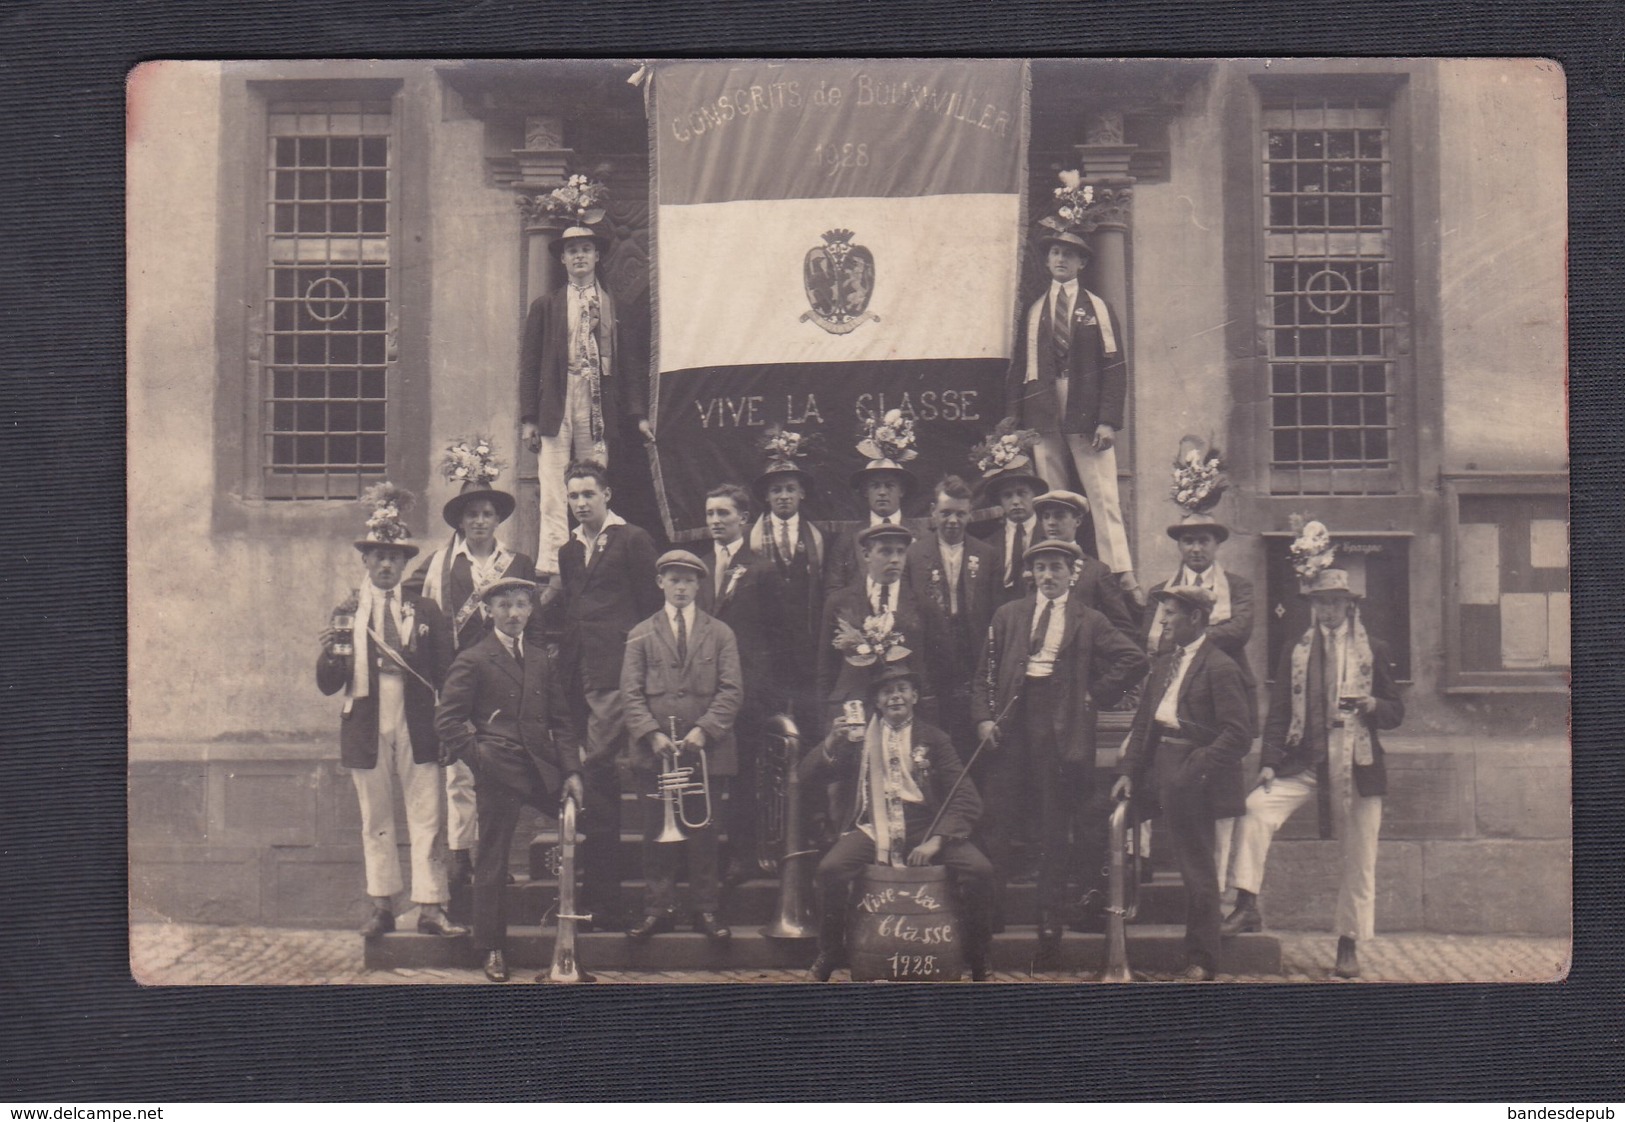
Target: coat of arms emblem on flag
840 279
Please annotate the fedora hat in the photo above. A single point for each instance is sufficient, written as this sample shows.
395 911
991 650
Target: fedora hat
452 512
778 470
991 483
1070 238
877 468
885 672
575 233
1329 582
1203 522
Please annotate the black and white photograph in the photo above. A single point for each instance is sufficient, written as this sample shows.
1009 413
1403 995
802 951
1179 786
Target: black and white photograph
833 520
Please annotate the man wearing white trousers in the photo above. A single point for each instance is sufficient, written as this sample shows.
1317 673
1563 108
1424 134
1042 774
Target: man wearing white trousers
1332 691
1068 380
389 660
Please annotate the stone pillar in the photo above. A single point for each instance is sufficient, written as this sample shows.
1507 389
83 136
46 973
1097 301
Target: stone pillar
542 165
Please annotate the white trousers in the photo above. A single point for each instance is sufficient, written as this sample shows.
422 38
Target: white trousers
425 807
1358 820
572 442
462 826
1224 832
1097 470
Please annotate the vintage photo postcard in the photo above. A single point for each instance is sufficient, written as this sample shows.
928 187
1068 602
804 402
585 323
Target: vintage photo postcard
840 520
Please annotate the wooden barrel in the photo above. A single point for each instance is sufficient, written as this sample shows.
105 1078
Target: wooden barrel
905 927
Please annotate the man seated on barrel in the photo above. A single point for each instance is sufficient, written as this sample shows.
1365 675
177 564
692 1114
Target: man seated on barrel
927 808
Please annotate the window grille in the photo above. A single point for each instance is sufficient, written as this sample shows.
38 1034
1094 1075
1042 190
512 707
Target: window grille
328 292
1331 301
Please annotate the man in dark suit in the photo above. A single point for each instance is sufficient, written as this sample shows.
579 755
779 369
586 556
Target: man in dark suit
1060 513
504 713
792 594
910 770
578 379
608 571
1052 664
1333 689
885 486
1013 491
955 574
732 593
1191 732
1068 379
389 665
682 687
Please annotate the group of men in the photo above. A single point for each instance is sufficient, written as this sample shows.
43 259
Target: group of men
947 683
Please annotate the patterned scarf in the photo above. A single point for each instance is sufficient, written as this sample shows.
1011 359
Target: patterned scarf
1107 339
887 782
587 359
368 597
437 578
1356 682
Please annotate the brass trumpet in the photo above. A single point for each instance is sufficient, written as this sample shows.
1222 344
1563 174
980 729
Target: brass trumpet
677 786
1123 871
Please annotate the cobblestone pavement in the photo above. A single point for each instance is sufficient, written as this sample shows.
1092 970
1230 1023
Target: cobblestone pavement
179 953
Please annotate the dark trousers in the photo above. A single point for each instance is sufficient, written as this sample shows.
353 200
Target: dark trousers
740 811
1032 792
600 826
1187 824
661 860
854 851
498 809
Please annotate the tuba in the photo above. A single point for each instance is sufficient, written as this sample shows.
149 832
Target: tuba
678 787
1124 901
565 967
781 755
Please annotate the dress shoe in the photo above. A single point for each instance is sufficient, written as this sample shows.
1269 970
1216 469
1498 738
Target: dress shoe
379 924
496 967
707 924
1243 919
436 923
823 966
980 970
1348 963
650 926
1195 972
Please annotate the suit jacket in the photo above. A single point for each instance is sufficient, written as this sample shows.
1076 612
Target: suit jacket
459 586
1216 711
544 361
604 598
428 651
791 608
998 537
1310 752
1096 663
927 578
512 725
942 769
740 607
707 690
924 632
1230 636
1097 381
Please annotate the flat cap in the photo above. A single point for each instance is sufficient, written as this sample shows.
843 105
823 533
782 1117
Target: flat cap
1188 593
1062 498
507 584
1054 545
885 530
681 558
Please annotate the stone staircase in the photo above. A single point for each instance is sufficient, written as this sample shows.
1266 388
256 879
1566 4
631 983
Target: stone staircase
1155 938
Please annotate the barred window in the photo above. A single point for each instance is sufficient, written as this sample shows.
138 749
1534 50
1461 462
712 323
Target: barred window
328 313
1330 295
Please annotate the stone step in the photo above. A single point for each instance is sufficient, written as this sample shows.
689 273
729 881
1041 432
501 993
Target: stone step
1154 947
1162 900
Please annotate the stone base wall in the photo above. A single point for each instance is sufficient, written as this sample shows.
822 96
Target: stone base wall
1475 840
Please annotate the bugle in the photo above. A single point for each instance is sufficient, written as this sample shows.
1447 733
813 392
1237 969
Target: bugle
565 968
678 786
781 750
1123 903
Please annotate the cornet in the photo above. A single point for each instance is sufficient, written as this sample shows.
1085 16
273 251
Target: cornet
677 785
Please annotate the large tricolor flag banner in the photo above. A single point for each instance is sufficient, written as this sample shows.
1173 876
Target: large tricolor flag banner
833 239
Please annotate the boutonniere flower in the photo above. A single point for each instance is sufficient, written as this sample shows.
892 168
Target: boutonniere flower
875 641
974 564
731 576
919 757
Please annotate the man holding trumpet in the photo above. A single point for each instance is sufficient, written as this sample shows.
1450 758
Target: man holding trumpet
682 688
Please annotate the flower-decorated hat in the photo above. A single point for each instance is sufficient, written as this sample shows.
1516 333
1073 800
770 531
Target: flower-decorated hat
1199 483
1006 457
580 203
385 504
577 233
1073 198
471 461
783 449
900 671
888 442
1312 555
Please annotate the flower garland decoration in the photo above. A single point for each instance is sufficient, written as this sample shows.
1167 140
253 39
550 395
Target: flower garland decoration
1312 551
1073 200
876 641
387 503
471 459
581 200
785 445
1199 479
1006 447
888 437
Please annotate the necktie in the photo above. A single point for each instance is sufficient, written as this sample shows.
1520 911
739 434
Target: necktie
1041 632
392 631
1198 580
1061 329
785 552
722 569
518 653
1015 555
682 637
885 596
